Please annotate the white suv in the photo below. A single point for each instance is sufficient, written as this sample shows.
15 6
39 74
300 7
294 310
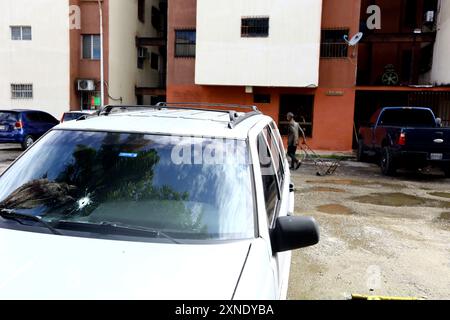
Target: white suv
156 202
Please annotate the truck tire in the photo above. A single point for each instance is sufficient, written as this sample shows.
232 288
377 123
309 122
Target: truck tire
360 155
387 162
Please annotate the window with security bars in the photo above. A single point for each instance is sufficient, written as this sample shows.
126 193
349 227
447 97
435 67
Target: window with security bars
21 91
21 33
255 27
185 41
333 44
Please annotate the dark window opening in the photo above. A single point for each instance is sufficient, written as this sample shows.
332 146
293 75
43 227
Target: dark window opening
410 20
156 19
255 27
185 41
333 44
154 61
261 98
302 107
141 10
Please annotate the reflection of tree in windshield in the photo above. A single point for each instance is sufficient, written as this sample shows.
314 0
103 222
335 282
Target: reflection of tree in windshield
40 192
111 187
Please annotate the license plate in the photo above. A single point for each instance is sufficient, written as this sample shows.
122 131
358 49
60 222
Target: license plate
436 156
2 128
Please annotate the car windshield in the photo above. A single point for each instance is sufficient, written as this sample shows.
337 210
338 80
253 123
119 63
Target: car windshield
172 184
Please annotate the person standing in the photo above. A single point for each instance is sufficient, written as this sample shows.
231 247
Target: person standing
294 131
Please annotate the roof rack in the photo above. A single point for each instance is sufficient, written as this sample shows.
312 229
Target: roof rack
235 118
198 104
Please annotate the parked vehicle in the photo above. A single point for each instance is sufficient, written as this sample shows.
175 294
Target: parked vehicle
75 115
166 202
24 126
406 137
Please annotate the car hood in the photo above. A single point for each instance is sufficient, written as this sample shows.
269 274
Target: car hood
41 266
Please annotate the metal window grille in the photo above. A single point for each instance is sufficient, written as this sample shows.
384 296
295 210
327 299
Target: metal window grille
185 42
333 44
21 33
21 91
255 27
439 102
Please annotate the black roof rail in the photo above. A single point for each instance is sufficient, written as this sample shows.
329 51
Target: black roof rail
198 104
106 110
235 117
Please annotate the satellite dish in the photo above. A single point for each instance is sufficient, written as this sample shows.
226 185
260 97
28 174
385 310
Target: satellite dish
355 40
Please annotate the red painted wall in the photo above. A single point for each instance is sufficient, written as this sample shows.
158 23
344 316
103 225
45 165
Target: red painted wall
332 115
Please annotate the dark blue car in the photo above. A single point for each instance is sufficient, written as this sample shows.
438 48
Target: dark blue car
24 126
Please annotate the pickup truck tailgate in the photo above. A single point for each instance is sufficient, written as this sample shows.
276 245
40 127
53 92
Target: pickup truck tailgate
428 139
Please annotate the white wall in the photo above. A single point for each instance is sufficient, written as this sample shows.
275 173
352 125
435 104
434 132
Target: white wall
43 61
289 57
440 73
124 26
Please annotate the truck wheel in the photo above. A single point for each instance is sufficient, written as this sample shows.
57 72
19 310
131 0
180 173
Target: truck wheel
360 155
387 162
27 142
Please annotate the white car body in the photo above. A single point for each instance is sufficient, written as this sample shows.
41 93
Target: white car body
46 266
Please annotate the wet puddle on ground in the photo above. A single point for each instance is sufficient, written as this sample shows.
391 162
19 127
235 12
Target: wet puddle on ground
325 189
335 209
445 216
349 182
400 200
441 194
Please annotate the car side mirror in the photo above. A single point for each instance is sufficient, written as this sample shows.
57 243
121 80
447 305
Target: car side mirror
438 122
292 233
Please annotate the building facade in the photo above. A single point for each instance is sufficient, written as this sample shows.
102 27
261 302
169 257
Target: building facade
292 56
34 55
50 53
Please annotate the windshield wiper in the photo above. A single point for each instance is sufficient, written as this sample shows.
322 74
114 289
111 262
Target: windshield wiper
120 226
11 214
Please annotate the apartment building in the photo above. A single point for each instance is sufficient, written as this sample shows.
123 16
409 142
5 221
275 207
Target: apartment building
296 56
34 55
50 53
134 53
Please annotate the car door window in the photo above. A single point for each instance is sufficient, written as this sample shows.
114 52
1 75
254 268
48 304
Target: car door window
47 118
277 155
269 179
32 117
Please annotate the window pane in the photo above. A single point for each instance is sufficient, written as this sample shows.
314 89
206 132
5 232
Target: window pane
269 178
15 33
87 46
255 27
277 158
96 45
185 41
26 33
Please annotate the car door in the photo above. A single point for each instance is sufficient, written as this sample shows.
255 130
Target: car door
32 123
276 195
379 132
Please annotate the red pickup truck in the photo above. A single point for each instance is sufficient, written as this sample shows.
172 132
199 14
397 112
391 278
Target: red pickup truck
405 137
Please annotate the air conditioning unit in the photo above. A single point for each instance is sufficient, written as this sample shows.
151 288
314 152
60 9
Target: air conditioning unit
86 85
142 53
